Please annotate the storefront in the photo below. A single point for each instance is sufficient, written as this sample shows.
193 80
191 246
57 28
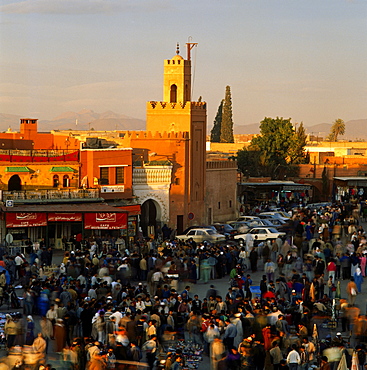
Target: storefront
55 222
350 188
276 191
134 212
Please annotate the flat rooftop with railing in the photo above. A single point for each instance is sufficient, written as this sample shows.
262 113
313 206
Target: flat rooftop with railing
50 196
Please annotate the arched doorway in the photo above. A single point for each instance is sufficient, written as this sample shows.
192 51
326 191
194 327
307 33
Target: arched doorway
148 218
15 183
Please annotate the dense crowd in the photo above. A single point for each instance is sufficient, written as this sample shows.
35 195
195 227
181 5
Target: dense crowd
102 308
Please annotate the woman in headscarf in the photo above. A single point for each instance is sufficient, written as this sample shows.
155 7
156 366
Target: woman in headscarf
29 337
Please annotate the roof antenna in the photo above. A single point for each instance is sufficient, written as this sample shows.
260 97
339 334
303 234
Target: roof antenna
178 49
189 46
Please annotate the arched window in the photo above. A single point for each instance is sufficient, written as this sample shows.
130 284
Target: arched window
55 181
66 181
173 94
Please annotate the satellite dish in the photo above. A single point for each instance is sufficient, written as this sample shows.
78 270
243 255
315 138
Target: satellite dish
9 238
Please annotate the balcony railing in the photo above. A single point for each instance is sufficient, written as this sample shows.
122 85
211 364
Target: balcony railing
50 195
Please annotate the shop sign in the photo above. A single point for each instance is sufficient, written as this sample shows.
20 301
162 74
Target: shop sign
25 219
65 217
105 220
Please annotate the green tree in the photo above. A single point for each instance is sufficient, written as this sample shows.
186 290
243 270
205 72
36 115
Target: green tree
276 151
226 132
338 128
297 153
274 141
215 132
248 162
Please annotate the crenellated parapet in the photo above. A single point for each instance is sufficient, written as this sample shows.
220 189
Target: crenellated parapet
188 105
143 135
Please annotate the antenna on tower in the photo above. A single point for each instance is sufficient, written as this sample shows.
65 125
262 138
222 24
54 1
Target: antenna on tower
190 46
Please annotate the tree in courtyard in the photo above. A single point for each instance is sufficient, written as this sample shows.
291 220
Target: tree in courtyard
226 132
215 132
338 128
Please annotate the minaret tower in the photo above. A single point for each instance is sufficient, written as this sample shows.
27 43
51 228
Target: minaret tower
178 113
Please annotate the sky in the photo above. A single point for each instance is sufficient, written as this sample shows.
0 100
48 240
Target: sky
303 59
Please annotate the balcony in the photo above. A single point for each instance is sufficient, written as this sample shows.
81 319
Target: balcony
52 196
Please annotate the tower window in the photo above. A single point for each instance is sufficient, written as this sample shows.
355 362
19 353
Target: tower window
230 204
173 95
218 205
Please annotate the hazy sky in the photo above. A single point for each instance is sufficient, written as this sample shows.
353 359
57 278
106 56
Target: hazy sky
304 59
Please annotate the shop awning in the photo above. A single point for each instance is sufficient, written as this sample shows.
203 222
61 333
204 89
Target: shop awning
62 169
25 219
18 169
96 215
133 209
105 221
64 217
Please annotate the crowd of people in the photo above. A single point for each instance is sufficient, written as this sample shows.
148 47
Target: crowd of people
101 308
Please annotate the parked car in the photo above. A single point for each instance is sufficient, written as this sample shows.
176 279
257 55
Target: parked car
243 218
241 227
263 233
198 227
200 235
278 214
225 229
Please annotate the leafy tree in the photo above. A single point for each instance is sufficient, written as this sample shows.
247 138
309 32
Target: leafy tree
226 132
277 150
215 132
248 162
274 141
338 128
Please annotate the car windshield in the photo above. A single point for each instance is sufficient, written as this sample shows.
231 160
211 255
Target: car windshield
210 231
272 230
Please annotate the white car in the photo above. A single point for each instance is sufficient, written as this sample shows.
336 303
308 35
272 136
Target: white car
263 233
200 235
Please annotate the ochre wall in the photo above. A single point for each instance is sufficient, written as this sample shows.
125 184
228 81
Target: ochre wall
221 187
91 160
40 176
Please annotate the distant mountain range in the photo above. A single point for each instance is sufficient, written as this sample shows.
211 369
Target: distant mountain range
354 129
108 121
84 120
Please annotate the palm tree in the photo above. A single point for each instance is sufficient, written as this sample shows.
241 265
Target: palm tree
338 128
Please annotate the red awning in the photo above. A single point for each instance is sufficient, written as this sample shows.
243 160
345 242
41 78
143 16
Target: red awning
25 219
133 209
105 220
64 217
